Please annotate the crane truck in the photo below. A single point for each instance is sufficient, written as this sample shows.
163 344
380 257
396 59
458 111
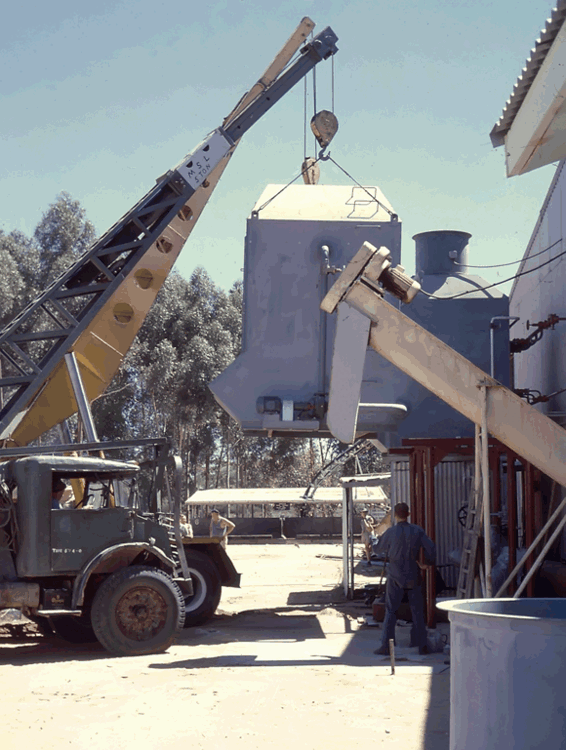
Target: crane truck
114 566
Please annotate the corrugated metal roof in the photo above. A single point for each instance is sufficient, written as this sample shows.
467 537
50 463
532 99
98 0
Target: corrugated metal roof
529 73
293 495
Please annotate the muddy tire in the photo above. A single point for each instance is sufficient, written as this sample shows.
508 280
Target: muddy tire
207 587
73 629
137 610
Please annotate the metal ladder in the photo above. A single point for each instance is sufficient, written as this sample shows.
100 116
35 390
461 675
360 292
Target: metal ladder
470 547
174 550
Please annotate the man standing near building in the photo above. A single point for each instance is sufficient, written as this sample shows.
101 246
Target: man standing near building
367 531
402 544
220 526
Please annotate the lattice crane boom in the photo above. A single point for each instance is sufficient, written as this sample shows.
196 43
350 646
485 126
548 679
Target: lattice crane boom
96 307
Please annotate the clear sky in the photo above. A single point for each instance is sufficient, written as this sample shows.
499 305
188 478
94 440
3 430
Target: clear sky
100 99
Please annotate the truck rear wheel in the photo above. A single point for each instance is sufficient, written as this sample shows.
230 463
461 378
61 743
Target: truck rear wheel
137 610
207 588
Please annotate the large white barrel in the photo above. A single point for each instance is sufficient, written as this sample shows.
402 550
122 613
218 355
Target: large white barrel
508 667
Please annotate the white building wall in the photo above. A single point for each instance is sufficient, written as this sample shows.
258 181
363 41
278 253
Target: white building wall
536 296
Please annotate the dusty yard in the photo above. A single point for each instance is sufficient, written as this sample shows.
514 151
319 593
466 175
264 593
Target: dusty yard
286 663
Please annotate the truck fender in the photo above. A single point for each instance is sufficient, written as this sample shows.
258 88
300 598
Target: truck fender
123 552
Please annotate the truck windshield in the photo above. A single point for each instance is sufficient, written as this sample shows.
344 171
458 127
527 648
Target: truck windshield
101 492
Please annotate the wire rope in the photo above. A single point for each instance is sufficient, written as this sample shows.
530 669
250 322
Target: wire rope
273 197
512 262
332 60
373 198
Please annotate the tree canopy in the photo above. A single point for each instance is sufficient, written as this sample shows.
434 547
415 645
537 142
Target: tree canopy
190 335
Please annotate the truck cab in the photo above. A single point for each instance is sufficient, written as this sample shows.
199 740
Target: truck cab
61 565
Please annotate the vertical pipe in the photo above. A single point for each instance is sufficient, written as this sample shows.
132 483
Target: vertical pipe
431 532
412 486
485 492
418 512
351 539
511 515
345 545
538 520
529 520
419 519
478 500
495 465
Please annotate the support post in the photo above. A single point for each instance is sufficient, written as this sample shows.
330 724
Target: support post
485 492
511 514
528 478
347 544
83 405
495 464
430 529
412 484
351 540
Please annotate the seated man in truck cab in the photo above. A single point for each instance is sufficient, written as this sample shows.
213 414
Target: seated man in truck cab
58 487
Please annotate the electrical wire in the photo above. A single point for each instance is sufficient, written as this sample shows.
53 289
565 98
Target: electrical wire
497 283
513 262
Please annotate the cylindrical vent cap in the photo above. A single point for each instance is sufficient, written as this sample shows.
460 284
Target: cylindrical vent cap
441 252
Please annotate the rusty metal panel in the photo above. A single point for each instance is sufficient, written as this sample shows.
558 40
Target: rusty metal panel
400 482
453 479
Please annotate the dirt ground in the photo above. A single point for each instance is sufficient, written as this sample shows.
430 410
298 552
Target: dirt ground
285 663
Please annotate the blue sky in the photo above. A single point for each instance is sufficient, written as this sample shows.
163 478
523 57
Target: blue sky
99 100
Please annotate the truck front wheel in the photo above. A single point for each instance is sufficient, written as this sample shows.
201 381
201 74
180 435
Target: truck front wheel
137 610
207 589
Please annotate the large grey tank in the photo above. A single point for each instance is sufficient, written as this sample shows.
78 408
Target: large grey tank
297 242
508 661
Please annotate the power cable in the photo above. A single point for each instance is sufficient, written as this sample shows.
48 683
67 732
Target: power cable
497 283
511 263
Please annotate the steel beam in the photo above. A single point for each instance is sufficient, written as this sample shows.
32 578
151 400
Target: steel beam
455 380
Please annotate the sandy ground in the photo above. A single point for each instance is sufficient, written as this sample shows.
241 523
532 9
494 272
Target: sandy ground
286 663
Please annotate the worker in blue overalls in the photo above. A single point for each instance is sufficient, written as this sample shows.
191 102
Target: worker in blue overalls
401 544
